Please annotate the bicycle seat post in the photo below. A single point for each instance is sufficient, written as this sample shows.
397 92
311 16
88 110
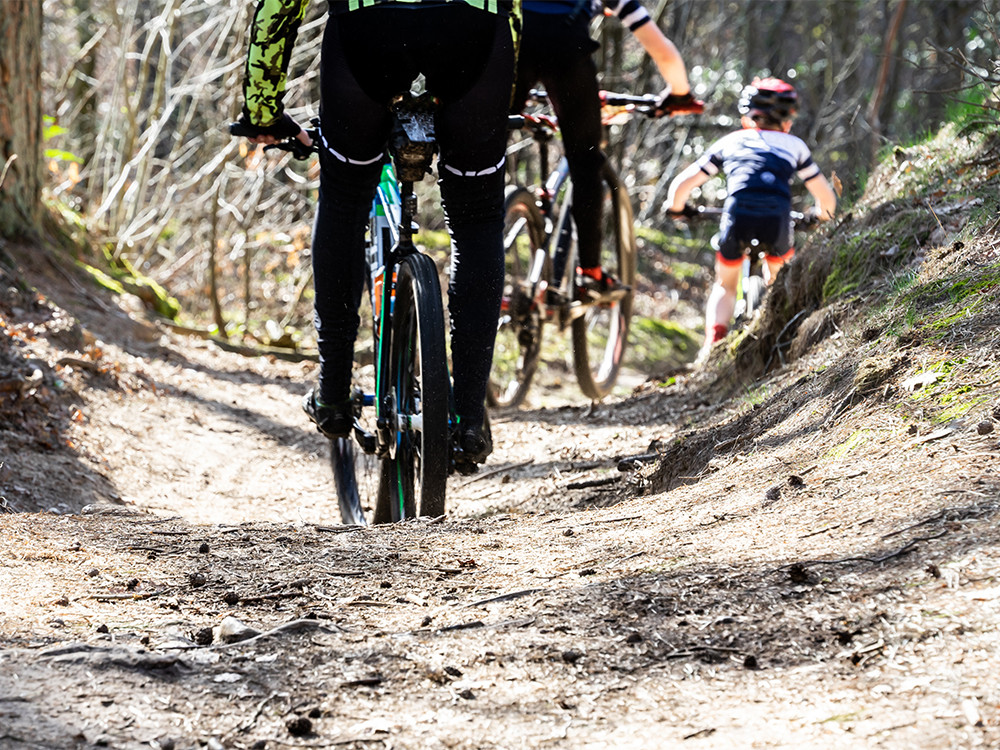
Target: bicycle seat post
413 145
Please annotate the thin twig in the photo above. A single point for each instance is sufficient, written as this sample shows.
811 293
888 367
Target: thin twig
505 597
498 470
873 560
3 175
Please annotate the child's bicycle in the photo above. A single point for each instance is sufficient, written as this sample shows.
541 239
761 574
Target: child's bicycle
406 449
541 269
753 286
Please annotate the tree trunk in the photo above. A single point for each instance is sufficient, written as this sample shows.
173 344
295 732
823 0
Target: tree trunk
881 85
20 115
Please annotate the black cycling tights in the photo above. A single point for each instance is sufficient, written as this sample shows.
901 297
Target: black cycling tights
559 55
369 55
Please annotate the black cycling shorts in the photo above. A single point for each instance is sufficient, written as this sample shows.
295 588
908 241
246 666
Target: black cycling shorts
743 230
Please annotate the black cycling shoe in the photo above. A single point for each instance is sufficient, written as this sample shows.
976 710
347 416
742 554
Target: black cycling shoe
473 445
334 421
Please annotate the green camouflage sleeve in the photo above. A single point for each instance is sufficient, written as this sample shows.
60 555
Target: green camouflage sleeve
272 36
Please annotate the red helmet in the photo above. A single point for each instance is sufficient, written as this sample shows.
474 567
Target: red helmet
770 97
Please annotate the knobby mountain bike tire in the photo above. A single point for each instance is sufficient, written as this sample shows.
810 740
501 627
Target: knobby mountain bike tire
361 481
601 333
419 459
519 329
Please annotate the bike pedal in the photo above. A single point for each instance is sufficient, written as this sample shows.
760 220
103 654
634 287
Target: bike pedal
365 439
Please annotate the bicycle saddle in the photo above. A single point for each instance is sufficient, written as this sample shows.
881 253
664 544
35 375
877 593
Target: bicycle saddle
413 142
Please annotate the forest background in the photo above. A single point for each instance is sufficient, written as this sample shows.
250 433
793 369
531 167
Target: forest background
137 95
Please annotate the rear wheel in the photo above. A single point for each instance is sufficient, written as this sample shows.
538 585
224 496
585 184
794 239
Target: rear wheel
418 458
519 329
600 333
754 289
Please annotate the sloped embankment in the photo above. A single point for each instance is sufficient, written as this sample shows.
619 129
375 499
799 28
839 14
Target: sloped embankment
892 308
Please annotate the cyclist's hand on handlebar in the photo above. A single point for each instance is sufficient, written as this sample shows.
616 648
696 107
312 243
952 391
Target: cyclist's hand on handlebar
282 129
685 212
680 104
809 219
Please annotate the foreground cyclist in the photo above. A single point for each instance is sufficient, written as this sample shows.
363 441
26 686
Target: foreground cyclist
556 50
759 163
373 50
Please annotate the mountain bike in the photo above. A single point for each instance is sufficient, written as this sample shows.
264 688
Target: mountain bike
753 286
403 427
541 286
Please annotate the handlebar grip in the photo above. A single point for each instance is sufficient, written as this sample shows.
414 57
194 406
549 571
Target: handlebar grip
241 130
295 147
692 212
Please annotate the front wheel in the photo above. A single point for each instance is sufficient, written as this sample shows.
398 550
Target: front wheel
418 382
361 481
601 331
519 329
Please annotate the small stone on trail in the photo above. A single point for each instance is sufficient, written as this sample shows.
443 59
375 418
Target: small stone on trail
568 532
231 630
796 481
231 598
299 726
750 662
587 572
102 628
571 656
385 585
985 427
467 694
453 671
773 494
203 637
633 638
204 548
93 572
197 579
798 573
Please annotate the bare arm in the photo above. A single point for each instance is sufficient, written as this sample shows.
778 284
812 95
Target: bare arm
666 56
822 193
682 185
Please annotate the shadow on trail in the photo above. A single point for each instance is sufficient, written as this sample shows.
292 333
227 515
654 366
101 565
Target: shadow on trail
755 613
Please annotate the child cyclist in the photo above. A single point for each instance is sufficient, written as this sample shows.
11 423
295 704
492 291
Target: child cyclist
759 163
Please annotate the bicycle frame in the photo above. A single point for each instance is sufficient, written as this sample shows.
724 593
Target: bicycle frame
555 200
391 228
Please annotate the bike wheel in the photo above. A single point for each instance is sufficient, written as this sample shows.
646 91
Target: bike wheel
419 457
519 329
361 481
600 333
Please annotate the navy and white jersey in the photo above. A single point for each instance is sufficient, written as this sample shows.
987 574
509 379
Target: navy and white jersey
632 13
759 164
